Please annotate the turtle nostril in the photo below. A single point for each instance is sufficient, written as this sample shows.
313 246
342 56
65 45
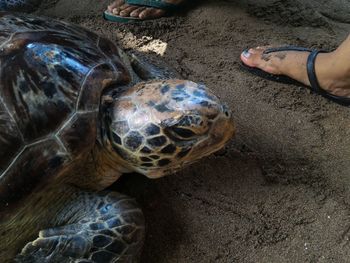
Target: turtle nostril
226 111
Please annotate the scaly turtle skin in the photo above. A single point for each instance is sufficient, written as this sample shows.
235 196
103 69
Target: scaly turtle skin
76 113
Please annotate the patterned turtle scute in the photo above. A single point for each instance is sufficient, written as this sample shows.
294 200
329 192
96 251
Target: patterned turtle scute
51 78
133 141
152 129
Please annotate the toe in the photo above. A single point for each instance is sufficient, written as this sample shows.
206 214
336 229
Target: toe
252 57
150 13
137 12
115 4
127 11
116 11
119 9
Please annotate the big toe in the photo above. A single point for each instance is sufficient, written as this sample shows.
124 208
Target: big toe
253 57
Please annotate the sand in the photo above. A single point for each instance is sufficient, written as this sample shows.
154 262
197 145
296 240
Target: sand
280 191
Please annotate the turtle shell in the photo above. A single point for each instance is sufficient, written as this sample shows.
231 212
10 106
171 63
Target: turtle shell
51 78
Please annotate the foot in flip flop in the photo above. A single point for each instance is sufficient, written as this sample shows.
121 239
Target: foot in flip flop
326 73
133 10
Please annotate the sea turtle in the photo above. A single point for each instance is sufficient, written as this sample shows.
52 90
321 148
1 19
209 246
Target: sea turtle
75 113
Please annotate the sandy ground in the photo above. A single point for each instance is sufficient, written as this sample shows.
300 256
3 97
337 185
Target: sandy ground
280 190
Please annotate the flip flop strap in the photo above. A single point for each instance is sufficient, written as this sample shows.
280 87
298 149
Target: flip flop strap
311 72
286 48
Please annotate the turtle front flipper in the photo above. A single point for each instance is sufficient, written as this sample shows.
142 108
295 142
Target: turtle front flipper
105 227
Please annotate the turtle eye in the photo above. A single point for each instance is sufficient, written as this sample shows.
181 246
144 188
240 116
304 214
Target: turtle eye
180 133
183 132
186 128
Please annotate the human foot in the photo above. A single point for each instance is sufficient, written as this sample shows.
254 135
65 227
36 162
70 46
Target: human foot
147 11
332 69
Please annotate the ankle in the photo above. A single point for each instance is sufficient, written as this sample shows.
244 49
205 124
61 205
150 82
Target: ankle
342 55
334 63
333 72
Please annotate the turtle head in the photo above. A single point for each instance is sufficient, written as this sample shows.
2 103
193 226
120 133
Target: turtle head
155 128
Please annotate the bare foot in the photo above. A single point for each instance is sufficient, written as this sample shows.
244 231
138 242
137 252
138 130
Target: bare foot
332 69
120 8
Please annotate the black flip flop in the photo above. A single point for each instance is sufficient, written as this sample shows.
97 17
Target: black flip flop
310 66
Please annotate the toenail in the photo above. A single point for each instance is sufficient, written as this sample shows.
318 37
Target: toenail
246 53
